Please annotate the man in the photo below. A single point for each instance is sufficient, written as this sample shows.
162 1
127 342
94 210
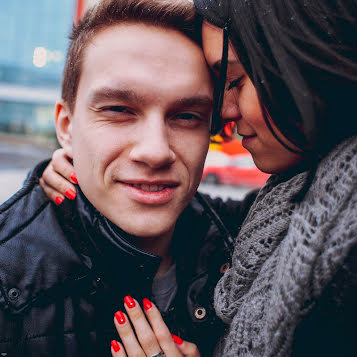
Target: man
134 115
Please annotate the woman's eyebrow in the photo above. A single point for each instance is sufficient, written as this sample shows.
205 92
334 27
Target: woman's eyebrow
217 65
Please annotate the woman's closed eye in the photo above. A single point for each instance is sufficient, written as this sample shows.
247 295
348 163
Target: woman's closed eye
234 83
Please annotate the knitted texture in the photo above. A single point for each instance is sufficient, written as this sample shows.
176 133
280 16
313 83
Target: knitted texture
286 254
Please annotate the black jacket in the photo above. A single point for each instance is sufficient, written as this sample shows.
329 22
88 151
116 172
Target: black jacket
65 270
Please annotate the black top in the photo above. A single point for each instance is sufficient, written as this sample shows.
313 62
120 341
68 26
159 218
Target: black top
65 270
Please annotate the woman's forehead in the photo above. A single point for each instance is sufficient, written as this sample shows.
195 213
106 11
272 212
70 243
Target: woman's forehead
212 43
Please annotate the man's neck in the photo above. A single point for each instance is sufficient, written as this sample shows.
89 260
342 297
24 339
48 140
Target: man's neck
160 246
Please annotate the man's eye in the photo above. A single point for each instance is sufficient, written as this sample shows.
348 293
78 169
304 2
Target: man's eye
234 83
117 109
189 120
187 116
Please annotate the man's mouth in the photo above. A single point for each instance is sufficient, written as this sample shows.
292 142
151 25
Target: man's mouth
152 193
149 188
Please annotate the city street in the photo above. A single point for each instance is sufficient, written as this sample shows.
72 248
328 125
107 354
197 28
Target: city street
17 158
225 192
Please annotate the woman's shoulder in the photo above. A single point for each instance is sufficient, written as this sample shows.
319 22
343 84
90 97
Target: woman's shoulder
232 212
330 327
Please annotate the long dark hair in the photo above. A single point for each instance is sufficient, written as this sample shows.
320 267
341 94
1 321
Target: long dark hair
301 56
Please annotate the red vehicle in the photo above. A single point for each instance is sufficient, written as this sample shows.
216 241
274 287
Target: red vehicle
237 170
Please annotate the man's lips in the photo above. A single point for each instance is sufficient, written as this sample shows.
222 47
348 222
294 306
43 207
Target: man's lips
150 186
150 192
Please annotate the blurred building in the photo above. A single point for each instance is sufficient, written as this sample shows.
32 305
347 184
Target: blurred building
33 43
82 6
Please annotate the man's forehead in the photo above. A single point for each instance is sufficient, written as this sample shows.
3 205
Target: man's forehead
144 40
126 32
127 62
134 95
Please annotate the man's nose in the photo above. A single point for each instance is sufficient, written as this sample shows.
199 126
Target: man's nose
153 144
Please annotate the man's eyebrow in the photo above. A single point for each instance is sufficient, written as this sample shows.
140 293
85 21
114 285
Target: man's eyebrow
217 65
105 93
199 100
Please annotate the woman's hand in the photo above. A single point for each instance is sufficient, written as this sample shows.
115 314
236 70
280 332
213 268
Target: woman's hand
59 178
151 334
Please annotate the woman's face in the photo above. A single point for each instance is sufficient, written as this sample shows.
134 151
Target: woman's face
241 105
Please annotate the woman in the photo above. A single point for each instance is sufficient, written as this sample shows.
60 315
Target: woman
287 76
290 78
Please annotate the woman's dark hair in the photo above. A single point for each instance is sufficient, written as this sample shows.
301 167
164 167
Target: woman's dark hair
301 56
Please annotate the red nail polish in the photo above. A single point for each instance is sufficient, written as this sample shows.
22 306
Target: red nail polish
59 200
120 317
70 194
147 304
129 301
177 340
74 178
115 346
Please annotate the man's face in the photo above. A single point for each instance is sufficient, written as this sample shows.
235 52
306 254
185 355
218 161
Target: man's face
140 126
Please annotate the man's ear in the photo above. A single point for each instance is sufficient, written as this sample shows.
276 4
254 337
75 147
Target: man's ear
63 123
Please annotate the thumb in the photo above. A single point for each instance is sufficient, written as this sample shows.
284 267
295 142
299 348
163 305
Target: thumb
188 349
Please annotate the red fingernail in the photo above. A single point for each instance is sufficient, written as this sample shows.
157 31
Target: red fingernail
120 317
147 304
70 194
129 301
177 340
59 200
74 178
115 346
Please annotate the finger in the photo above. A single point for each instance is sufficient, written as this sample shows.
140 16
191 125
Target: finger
160 329
127 336
188 349
58 183
143 330
63 165
117 349
52 194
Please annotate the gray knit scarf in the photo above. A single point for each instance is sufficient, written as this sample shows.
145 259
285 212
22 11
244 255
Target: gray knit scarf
286 254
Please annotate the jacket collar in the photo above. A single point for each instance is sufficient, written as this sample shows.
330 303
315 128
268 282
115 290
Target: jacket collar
109 249
121 261
89 234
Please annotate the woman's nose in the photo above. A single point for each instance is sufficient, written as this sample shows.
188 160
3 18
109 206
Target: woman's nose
230 109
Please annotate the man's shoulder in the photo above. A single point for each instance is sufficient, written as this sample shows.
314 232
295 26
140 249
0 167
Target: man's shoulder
35 253
20 210
231 212
24 207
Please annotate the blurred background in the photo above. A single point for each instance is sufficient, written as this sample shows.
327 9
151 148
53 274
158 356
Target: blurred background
33 43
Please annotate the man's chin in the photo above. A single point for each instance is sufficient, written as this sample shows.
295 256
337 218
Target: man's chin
144 221
148 228
148 232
